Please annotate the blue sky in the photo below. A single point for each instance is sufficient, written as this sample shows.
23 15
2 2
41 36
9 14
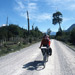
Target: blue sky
40 13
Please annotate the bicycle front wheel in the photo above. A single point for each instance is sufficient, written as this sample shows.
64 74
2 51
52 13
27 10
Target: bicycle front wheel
45 58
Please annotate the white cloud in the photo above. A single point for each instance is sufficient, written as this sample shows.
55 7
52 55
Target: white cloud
24 5
38 17
62 4
32 7
3 24
23 14
43 17
66 19
33 11
71 7
19 6
59 1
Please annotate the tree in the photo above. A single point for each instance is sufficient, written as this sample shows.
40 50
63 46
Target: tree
28 22
32 27
36 28
72 36
57 18
48 31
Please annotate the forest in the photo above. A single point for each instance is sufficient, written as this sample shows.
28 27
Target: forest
13 38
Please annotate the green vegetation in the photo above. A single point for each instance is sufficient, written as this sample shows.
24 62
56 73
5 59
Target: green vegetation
13 38
67 37
72 36
57 19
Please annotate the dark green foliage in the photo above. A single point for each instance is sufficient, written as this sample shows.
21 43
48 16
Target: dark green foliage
36 33
57 18
72 36
13 37
66 36
3 32
59 33
14 31
36 28
30 40
63 36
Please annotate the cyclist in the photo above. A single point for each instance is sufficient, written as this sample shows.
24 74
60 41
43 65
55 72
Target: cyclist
46 42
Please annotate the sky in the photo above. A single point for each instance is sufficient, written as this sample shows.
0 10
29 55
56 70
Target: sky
40 13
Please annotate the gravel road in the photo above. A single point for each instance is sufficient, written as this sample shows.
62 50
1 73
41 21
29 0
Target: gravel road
28 61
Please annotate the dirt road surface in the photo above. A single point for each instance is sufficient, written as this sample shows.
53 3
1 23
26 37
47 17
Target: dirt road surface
28 61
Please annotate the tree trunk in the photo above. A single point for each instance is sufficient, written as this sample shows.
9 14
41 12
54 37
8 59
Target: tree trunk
28 22
60 27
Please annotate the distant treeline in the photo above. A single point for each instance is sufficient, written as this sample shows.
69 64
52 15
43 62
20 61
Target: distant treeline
18 34
66 36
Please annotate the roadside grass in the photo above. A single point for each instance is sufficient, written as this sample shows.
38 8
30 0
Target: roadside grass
68 44
13 47
72 46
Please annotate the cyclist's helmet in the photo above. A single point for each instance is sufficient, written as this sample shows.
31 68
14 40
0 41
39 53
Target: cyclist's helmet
44 35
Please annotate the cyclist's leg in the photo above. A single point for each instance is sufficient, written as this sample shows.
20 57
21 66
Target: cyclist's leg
45 56
42 52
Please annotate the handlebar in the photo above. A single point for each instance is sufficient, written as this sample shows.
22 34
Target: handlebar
44 48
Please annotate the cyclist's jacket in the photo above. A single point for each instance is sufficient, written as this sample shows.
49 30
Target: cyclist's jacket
45 42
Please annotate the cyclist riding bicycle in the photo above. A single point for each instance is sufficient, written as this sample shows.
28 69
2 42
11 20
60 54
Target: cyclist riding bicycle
46 43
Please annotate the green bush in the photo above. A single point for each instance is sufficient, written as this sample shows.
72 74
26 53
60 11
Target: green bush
72 36
30 40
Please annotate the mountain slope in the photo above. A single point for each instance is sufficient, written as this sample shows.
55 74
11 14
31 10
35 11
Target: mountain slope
53 33
71 27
